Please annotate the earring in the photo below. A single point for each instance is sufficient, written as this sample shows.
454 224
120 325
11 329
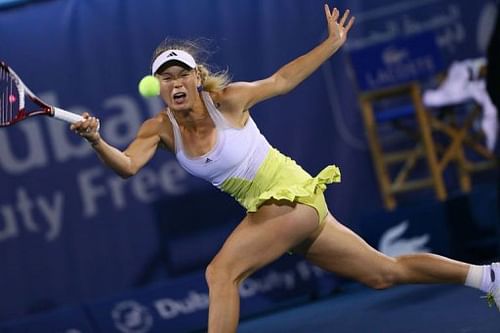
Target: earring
199 88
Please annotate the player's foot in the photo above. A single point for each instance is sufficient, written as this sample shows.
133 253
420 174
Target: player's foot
493 296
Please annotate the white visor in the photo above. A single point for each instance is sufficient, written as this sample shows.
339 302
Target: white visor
171 55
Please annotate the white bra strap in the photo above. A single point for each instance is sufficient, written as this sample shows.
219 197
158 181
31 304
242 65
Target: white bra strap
215 114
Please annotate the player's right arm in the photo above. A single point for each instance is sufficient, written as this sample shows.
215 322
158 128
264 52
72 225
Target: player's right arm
128 162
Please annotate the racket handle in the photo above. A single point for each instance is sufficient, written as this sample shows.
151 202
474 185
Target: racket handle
66 116
69 117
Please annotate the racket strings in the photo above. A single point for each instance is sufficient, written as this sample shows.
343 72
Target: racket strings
9 98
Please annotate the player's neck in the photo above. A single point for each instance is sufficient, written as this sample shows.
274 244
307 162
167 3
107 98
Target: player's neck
192 118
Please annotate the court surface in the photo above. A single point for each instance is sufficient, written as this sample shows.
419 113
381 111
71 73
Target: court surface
403 309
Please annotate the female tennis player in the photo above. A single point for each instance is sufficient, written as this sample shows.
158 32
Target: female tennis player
207 125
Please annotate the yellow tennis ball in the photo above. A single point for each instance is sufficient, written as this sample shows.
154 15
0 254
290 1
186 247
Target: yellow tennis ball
149 86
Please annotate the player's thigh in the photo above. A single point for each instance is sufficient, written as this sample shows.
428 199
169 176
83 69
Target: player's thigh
340 250
265 235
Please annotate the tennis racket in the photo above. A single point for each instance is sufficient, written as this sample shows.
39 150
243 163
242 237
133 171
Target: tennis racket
13 109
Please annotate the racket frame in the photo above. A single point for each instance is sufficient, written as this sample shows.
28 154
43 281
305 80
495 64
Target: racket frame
46 109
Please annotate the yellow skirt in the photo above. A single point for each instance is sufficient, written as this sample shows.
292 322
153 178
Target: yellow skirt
281 178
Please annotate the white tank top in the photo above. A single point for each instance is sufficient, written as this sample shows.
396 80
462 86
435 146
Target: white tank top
237 153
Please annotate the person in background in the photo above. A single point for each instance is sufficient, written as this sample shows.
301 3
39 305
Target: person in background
493 86
493 56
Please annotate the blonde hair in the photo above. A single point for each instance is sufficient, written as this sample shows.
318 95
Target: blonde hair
211 81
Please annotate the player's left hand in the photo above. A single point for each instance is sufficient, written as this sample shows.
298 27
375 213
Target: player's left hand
338 29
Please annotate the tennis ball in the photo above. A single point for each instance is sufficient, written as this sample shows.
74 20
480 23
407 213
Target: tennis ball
149 86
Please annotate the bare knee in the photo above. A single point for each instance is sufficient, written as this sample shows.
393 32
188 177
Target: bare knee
384 277
216 275
398 270
219 274
380 282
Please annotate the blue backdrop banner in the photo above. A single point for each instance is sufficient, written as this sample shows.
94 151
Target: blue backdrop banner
71 230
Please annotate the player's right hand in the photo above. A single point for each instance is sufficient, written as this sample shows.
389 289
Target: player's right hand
88 128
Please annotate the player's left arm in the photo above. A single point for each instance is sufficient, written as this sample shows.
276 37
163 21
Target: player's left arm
243 95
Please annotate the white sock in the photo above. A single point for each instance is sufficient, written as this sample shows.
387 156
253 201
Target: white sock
480 277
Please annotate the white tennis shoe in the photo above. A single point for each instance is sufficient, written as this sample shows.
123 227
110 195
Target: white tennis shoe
493 296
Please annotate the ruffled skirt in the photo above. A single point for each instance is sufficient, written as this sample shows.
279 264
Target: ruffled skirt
281 178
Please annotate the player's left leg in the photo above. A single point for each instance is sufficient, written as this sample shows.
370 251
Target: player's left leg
338 249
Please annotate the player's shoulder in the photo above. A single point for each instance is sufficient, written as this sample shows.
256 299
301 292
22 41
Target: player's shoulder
156 123
229 98
234 89
159 119
159 126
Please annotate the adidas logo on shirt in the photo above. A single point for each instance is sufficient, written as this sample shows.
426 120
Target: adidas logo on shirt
208 160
